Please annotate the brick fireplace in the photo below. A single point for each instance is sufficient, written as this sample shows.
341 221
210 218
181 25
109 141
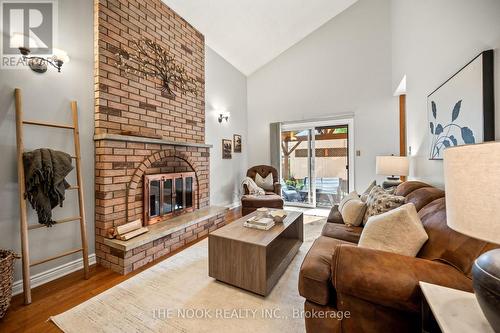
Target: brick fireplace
140 131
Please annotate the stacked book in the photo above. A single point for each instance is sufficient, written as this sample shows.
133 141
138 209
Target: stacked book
264 223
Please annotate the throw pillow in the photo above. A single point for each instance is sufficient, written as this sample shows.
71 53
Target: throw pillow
364 195
391 190
350 196
398 231
265 183
379 201
353 212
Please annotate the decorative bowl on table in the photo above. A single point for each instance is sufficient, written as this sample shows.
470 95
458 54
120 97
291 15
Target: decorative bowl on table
278 215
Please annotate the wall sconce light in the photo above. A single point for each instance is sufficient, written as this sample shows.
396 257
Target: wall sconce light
224 116
39 64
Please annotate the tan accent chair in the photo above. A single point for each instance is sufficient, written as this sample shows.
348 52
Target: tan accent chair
250 203
380 289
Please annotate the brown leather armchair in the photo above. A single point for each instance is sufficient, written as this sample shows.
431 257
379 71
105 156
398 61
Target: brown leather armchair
263 171
272 199
379 289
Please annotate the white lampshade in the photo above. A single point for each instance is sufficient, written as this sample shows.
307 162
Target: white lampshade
472 187
392 165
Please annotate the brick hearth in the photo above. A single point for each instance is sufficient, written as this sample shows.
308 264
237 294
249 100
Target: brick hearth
163 238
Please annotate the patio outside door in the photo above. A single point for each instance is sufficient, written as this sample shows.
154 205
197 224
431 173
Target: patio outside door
296 167
314 165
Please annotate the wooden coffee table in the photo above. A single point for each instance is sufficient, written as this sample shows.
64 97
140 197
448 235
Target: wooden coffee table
253 259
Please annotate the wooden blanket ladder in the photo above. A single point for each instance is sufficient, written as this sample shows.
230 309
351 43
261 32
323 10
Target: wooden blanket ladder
25 228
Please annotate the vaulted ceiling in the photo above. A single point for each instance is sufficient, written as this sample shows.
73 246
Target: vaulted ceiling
251 33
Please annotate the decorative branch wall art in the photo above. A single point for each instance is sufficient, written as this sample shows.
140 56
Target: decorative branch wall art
461 110
150 60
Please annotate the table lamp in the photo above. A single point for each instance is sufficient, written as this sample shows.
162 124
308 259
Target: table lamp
392 166
472 187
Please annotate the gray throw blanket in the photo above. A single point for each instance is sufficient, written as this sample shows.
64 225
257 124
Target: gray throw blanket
45 170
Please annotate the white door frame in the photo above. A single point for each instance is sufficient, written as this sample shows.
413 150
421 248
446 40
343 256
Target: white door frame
311 159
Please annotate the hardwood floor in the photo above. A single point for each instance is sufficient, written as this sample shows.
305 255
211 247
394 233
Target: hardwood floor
64 293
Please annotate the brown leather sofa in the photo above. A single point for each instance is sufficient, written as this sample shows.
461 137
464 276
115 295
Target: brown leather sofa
250 203
380 289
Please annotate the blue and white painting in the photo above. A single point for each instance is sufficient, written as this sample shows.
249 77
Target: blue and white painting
455 111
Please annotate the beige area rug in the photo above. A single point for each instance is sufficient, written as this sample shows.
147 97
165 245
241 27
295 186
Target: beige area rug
311 218
177 295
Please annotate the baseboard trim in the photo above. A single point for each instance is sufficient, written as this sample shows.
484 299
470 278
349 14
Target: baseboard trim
52 274
233 205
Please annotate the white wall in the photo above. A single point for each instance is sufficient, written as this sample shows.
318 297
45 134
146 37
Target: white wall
343 67
226 90
432 40
47 97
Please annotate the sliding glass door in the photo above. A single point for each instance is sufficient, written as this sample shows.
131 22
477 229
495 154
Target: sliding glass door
314 164
331 165
296 166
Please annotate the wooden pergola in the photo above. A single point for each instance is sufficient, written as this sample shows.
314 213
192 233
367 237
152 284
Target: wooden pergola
290 140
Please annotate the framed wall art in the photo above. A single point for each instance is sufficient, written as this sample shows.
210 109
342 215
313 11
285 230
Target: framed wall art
227 147
461 110
237 143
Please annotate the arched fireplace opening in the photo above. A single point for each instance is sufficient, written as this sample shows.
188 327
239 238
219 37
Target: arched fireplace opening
167 186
